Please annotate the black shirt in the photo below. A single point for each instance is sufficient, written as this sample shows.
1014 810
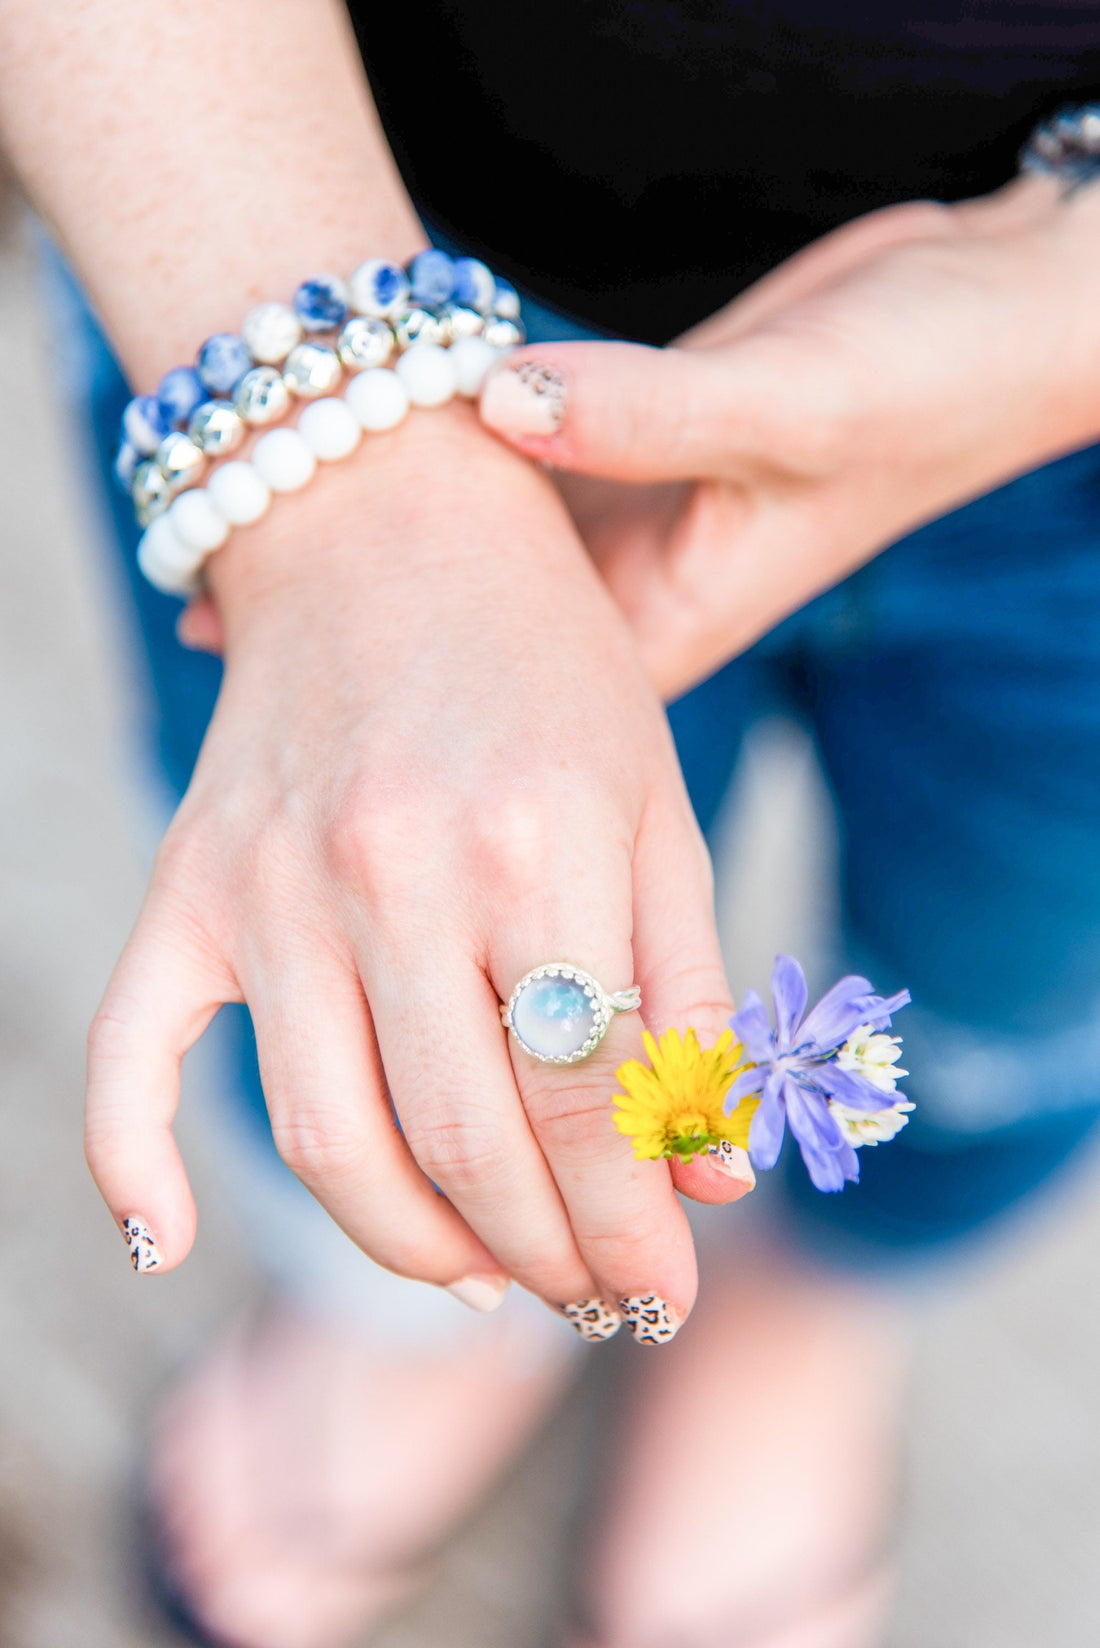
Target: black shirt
638 162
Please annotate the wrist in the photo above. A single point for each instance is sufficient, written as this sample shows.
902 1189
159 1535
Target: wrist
390 511
1053 239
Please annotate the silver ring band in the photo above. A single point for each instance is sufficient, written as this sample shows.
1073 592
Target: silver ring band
559 1014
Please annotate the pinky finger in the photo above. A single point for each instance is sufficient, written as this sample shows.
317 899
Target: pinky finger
160 999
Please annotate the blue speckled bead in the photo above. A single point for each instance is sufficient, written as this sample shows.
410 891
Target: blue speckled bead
321 303
506 301
178 394
379 288
475 285
126 461
144 424
432 278
222 362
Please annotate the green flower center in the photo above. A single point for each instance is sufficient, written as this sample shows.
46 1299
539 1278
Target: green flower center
691 1141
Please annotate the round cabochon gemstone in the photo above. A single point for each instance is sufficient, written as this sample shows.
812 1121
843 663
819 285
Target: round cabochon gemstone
553 1017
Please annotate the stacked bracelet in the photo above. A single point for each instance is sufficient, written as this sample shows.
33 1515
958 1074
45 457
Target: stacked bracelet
1067 146
389 338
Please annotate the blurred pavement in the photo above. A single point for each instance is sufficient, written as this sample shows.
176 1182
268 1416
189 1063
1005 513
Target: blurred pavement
1001 1525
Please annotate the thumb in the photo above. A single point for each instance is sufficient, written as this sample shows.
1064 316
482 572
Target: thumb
621 410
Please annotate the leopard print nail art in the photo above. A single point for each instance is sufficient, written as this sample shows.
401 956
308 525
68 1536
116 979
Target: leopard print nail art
144 1253
650 1318
548 386
593 1319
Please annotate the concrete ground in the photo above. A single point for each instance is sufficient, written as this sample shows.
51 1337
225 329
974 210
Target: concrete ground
1000 1529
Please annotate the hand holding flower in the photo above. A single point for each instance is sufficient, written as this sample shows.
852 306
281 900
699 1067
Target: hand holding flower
830 1075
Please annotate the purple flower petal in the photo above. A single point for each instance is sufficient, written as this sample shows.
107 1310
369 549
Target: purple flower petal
808 1117
751 1027
848 1086
882 1008
788 998
749 1081
837 1013
766 1129
831 1169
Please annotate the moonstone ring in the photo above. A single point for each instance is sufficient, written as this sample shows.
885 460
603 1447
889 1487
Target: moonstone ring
559 1014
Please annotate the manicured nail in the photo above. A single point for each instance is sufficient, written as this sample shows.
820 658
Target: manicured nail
732 1160
524 399
650 1318
484 1293
593 1319
144 1253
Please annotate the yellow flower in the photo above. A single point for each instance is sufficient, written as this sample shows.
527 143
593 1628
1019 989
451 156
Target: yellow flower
675 1107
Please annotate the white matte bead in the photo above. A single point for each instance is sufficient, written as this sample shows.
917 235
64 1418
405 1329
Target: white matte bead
378 398
330 429
271 330
427 373
472 359
198 522
239 493
283 460
169 564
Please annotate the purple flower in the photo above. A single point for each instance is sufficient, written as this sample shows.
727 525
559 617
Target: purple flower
796 1073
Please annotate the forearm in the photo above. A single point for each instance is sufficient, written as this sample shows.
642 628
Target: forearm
194 160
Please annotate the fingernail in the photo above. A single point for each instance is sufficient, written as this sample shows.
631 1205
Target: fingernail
650 1318
144 1252
524 399
732 1160
593 1319
484 1293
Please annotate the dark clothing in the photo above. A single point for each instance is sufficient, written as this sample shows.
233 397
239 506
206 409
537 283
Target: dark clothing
638 162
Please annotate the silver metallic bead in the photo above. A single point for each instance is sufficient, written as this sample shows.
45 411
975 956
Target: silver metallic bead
503 333
365 342
421 326
216 427
262 396
312 369
150 492
181 460
1089 129
464 323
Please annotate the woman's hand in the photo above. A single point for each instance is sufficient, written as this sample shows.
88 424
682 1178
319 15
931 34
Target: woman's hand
908 362
436 763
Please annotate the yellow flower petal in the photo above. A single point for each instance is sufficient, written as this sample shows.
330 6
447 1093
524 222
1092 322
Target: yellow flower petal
674 1105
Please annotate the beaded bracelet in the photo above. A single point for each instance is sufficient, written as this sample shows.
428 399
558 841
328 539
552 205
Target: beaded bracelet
1067 146
446 321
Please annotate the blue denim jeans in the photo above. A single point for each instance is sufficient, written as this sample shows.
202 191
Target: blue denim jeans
953 690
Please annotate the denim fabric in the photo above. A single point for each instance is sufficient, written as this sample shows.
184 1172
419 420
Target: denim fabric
953 688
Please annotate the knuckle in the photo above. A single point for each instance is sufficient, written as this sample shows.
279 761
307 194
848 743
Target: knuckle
112 1030
516 839
462 1151
700 985
320 1147
577 1115
183 860
371 842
